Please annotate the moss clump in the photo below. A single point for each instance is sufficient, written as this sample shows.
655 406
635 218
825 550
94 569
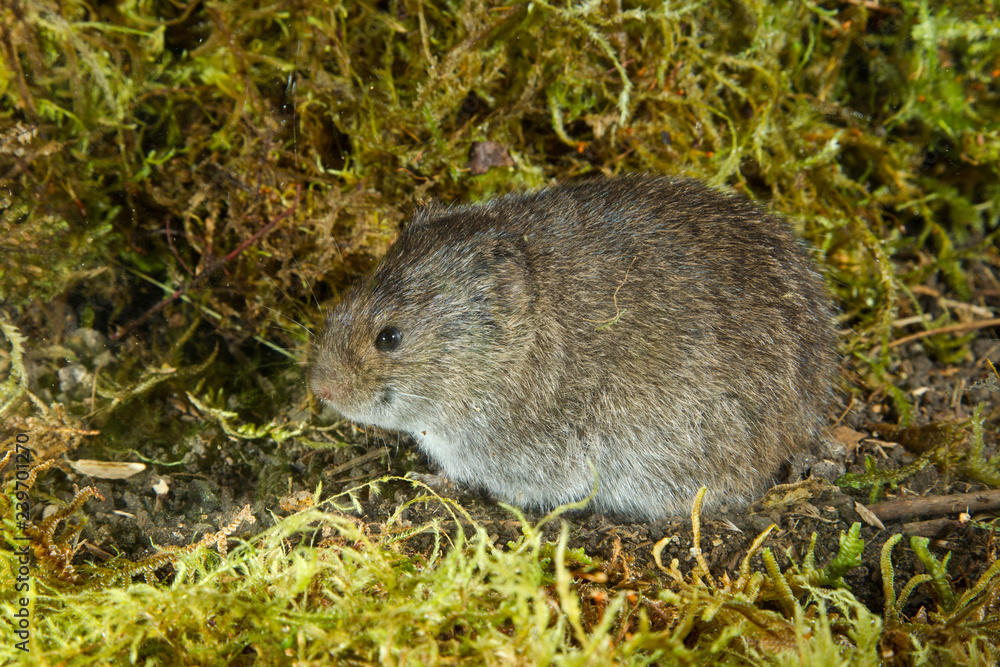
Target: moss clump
320 586
149 145
950 446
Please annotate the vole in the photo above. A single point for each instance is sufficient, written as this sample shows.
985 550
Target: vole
656 331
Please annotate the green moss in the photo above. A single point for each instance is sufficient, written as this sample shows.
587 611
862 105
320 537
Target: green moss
319 587
872 125
956 448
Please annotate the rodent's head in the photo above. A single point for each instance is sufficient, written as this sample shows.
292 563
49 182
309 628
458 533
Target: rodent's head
433 328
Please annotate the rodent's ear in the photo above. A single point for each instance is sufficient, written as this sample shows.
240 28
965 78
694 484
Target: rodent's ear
513 285
423 216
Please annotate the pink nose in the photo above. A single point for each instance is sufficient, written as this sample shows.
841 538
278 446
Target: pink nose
328 392
327 385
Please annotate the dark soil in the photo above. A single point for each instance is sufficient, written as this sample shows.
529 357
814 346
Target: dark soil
208 489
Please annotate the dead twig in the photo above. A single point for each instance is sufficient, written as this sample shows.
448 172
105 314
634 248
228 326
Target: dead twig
953 328
904 508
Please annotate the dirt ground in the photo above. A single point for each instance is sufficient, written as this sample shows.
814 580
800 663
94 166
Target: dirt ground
211 485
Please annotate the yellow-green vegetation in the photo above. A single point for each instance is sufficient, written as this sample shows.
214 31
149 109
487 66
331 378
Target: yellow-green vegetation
320 587
945 444
183 181
964 622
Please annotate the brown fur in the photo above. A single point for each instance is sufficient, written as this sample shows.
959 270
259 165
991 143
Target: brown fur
668 334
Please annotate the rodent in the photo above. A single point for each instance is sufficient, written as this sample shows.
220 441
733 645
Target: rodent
670 335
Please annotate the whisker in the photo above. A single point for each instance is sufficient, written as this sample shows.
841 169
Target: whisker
336 246
302 273
292 320
291 300
281 328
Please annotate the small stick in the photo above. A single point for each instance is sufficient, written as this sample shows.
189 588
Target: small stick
954 328
357 460
966 326
170 242
211 268
904 508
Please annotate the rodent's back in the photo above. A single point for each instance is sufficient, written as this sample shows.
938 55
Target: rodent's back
671 335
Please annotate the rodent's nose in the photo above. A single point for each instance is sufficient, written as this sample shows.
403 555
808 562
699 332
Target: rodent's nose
326 392
323 388
323 381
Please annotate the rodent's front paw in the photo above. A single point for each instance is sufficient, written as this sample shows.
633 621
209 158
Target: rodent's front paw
439 483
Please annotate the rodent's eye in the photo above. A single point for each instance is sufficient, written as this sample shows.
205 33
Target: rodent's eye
388 339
